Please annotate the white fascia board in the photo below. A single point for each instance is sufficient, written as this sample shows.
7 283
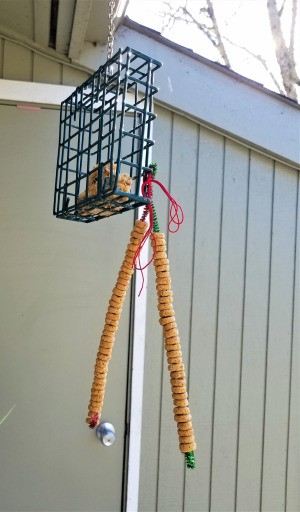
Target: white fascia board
18 93
219 99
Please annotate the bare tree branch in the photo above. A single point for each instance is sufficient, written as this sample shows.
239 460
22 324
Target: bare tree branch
182 13
261 60
293 26
221 47
189 18
281 8
284 57
205 20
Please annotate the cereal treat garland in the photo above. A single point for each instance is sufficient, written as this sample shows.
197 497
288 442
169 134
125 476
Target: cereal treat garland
139 235
181 410
112 319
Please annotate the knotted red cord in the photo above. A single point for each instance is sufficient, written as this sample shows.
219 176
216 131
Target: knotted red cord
176 216
175 213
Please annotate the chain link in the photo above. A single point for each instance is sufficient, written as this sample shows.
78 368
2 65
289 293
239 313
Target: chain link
111 28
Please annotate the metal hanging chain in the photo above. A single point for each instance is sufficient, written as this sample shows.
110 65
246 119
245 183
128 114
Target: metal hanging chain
111 28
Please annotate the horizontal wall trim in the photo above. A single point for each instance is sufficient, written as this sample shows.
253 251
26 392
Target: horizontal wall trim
18 92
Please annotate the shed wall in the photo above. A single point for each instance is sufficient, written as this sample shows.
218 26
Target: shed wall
234 275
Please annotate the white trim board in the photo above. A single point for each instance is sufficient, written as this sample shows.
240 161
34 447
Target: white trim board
137 386
18 93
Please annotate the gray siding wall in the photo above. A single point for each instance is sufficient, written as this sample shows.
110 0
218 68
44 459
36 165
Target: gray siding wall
234 275
20 63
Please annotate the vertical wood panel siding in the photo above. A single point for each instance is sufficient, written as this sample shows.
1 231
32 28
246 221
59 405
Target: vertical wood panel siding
19 63
233 267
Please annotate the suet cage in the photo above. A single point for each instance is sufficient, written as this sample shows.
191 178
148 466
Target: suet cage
104 139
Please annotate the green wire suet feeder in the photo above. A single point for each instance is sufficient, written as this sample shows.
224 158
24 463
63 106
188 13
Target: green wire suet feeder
105 138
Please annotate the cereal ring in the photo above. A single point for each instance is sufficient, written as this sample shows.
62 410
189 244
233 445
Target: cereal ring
184 426
162 274
167 320
104 357
174 353
121 279
157 239
114 323
186 439
160 248
130 253
186 448
139 231
172 343
163 268
135 235
180 396
185 433
140 224
107 344
182 418
108 336
107 333
176 367
171 325
162 287
122 287
166 293
159 236
161 255
132 247
100 378
167 312
174 360
103 351
180 403
181 410
177 375
116 302
119 293
165 305
163 280
126 269
109 328
92 410
101 366
114 310
176 383
172 333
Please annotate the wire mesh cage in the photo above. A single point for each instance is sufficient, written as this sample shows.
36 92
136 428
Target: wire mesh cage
104 139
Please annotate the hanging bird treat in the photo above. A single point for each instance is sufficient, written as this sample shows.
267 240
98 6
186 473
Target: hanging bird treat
181 410
139 236
112 319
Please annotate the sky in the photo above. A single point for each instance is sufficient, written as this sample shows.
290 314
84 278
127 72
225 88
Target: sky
244 22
